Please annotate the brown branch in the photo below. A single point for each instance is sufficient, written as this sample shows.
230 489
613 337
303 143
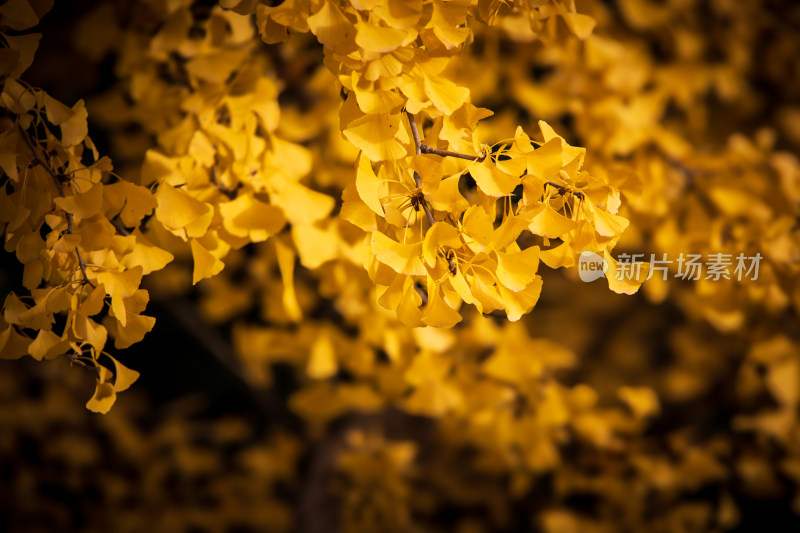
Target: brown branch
425 149
415 133
425 207
120 228
57 179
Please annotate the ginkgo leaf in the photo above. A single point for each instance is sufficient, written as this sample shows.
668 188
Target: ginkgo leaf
447 197
75 129
608 225
124 376
84 204
18 15
177 211
57 113
368 185
331 27
437 312
548 223
104 395
402 258
517 270
445 95
315 245
381 39
300 204
146 255
120 285
478 225
206 264
521 302
13 345
47 345
491 180
438 236
373 134
625 281
134 330
249 217
449 21
355 211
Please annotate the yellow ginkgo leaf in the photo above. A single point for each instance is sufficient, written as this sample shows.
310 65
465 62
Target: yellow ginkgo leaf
368 185
146 255
139 202
206 264
491 180
331 27
517 270
177 211
104 395
120 285
134 330
445 95
373 134
521 302
57 113
402 258
606 224
75 129
437 312
13 345
125 377
85 204
449 23
47 345
548 223
380 39
246 216
438 236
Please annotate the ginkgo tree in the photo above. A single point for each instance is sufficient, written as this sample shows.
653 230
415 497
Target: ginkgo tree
378 193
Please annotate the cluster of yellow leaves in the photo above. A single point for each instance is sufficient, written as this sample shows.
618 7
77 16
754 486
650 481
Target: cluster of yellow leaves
392 58
60 216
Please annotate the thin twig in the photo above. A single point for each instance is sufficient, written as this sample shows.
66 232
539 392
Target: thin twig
425 149
415 133
73 358
120 228
57 180
417 178
420 148
422 294
427 210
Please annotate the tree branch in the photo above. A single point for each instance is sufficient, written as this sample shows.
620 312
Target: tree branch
425 149
57 179
415 133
